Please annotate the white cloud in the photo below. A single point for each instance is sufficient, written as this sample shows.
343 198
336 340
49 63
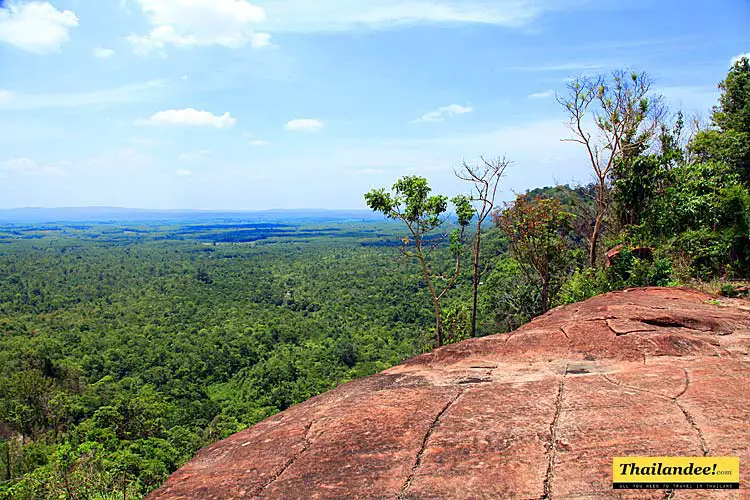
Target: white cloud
736 58
306 16
236 23
28 166
5 96
36 27
188 23
259 40
120 95
194 155
304 125
542 95
254 141
444 112
103 53
190 117
183 173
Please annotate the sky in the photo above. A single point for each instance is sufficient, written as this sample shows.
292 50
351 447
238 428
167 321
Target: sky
267 104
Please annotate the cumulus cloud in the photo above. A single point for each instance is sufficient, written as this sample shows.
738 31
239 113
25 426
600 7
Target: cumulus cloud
183 173
228 23
257 143
444 112
542 95
190 117
736 58
36 27
103 53
304 125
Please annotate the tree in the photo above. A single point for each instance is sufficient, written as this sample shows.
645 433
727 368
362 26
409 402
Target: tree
509 296
733 111
729 141
411 203
625 117
638 179
485 178
536 233
709 196
24 407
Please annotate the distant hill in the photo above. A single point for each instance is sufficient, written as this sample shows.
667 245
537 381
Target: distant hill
570 198
114 214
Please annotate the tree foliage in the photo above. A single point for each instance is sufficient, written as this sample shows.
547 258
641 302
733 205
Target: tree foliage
536 230
120 358
411 203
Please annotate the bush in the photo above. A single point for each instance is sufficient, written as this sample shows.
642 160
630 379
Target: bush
627 271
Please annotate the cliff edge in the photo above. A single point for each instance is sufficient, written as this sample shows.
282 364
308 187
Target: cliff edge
534 414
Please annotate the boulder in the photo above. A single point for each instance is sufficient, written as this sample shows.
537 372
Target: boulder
643 253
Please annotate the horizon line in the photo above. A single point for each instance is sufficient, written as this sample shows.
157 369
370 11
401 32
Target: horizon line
105 207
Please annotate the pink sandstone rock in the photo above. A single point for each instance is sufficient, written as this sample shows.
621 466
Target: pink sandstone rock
534 414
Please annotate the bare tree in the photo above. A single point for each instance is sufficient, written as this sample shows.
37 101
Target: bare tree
624 117
486 179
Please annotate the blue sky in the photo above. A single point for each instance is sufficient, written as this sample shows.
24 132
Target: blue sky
235 104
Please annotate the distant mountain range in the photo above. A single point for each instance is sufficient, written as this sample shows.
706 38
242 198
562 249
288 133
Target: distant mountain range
114 214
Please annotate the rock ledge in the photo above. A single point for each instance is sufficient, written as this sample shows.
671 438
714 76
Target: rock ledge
534 414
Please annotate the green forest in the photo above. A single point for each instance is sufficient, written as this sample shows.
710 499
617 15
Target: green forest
127 346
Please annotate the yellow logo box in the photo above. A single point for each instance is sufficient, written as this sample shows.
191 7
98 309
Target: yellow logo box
676 472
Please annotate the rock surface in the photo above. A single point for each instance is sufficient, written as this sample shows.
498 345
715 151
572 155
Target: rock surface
534 414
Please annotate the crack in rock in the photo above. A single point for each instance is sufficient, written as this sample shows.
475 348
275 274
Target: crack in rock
578 371
694 424
641 389
623 328
687 383
552 451
562 329
473 380
305 444
423 448
670 322
704 446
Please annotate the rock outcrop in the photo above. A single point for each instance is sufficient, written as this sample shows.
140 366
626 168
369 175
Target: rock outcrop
534 414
